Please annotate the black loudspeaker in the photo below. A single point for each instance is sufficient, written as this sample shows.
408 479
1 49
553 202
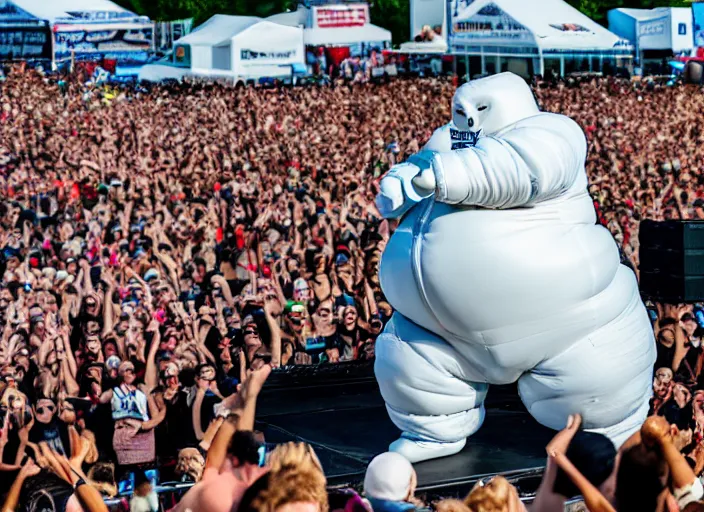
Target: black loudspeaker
694 72
672 260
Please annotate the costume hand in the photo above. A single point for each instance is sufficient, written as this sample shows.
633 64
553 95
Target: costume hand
397 195
424 182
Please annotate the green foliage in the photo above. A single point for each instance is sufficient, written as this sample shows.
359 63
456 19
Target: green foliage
393 15
201 10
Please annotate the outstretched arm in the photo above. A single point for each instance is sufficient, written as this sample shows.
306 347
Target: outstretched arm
539 159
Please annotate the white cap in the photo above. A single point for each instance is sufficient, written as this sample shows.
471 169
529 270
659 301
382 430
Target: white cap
388 477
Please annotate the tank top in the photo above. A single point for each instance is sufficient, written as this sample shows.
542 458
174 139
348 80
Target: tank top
129 405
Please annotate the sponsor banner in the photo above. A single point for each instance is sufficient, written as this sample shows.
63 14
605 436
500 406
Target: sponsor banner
25 43
96 16
698 14
463 140
251 55
106 40
652 28
340 16
168 32
490 25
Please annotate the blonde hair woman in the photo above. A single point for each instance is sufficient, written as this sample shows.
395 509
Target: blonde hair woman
497 495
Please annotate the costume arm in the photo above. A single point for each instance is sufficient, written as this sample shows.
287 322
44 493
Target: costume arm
539 159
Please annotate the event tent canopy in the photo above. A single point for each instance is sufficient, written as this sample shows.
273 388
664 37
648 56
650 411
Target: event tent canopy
555 25
518 36
218 30
72 10
339 36
236 44
663 28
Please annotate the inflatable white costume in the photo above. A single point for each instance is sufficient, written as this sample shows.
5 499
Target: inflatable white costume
505 276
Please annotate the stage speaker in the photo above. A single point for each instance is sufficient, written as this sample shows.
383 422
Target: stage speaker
694 72
672 260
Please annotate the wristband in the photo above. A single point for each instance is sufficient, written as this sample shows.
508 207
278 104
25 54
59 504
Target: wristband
79 483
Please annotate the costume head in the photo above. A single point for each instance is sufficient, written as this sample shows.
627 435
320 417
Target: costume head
490 104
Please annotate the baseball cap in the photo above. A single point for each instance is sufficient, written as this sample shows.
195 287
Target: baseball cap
113 362
150 274
293 306
388 477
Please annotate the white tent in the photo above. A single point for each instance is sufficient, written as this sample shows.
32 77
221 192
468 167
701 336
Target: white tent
523 29
239 44
664 28
338 36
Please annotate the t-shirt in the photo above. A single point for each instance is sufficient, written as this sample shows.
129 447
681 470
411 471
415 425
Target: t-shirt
176 431
148 503
665 356
55 434
349 341
129 404
237 285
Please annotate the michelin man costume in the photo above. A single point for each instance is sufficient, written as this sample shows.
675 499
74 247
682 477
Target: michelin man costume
499 273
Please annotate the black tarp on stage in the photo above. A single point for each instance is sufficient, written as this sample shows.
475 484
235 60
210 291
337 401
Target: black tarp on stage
341 413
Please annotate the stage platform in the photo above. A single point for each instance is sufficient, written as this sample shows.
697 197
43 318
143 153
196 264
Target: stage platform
343 416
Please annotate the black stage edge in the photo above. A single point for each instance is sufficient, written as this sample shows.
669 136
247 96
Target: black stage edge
339 410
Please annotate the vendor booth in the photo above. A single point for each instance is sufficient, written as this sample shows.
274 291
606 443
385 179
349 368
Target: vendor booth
656 34
241 48
334 32
63 31
491 36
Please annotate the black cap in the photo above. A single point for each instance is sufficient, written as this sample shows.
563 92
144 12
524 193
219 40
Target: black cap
140 478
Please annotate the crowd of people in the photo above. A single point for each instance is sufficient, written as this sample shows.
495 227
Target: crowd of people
162 248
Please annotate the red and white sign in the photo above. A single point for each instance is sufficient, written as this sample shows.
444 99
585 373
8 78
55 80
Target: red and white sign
339 16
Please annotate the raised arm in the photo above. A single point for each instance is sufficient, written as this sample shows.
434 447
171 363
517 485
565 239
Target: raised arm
151 377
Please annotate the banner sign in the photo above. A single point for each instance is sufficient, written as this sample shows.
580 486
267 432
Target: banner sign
698 14
269 55
168 32
95 16
25 43
133 41
652 29
654 34
340 16
489 25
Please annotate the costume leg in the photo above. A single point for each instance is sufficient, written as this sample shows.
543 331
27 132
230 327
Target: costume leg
428 392
606 377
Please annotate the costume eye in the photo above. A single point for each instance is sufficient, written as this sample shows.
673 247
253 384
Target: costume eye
484 107
460 112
